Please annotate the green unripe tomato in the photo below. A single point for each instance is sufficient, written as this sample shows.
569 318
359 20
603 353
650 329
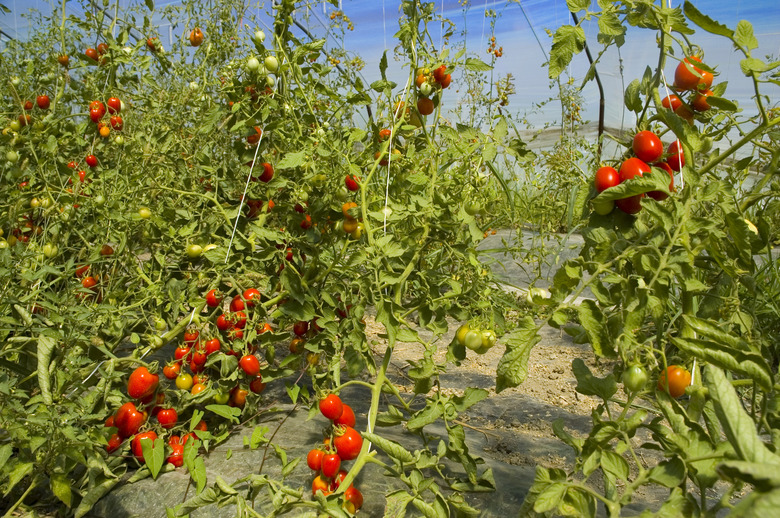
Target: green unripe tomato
473 339
271 64
50 250
145 213
634 378
603 207
252 64
258 37
488 338
426 89
12 156
194 251
460 334
221 398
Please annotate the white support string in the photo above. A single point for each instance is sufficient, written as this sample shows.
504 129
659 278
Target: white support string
243 197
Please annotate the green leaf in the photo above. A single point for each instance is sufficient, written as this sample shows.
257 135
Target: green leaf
471 397
154 454
549 498
430 414
477 65
291 160
576 6
590 385
60 486
149 4
393 449
739 428
231 413
722 104
757 505
614 464
705 22
669 473
762 475
594 323
512 368
631 98
744 36
567 41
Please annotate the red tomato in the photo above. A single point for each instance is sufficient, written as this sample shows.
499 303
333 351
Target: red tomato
251 296
300 328
91 160
213 298
676 158
445 82
647 146
440 73
424 106
95 116
239 319
172 370
320 484
167 417
136 443
109 422
671 102
314 459
142 383
331 462
128 419
256 385
348 442
212 346
191 336
176 456
117 123
331 406
237 397
606 177
114 442
223 322
351 182
630 205
182 352
237 304
91 54
43 102
268 172
353 499
687 76
660 195
102 48
114 105
700 103
250 365
631 168
306 222
347 417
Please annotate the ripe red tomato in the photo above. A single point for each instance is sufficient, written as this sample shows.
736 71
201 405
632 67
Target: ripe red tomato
81 270
268 172
237 397
300 328
331 462
202 426
136 443
660 195
440 73
257 385
191 336
167 418
347 417
43 102
176 456
647 146
172 370
296 345
199 359
95 115
88 282
91 160
632 167
99 106
128 419
237 304
688 76
630 205
331 406
63 60
114 105
671 102
348 442
116 122
114 442
213 298
445 82
142 383
251 296
250 365
676 157
606 177
213 346
314 459
182 352
239 319
223 322
353 499
351 182
91 54
673 380
700 103
306 222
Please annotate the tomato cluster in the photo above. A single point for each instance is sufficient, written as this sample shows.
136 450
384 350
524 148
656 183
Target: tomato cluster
342 443
429 86
648 149
478 340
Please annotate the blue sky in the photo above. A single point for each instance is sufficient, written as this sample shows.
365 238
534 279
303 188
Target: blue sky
517 30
